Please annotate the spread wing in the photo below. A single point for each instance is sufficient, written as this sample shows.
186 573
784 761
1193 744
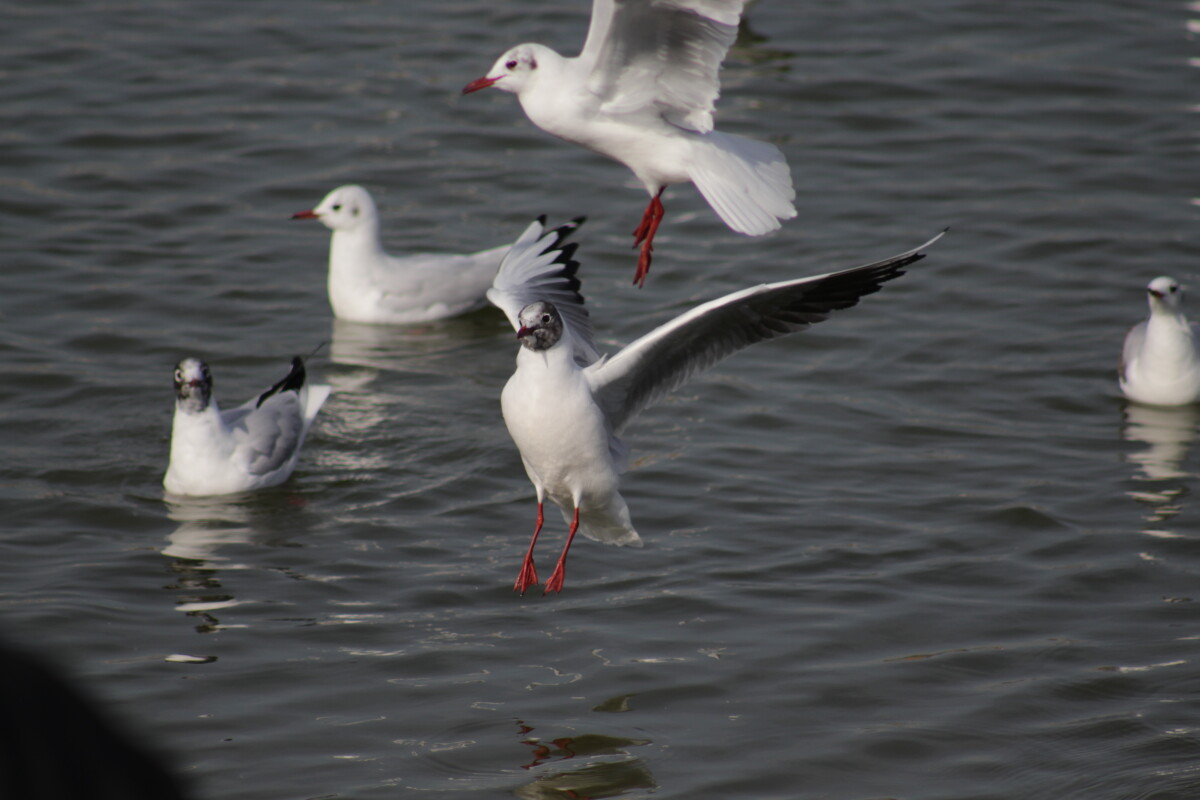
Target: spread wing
660 53
665 358
539 266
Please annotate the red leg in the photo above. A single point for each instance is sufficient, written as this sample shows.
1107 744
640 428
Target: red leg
528 575
555 584
644 236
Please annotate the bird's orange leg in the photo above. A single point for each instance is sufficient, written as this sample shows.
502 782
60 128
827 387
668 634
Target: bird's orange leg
555 584
644 236
528 575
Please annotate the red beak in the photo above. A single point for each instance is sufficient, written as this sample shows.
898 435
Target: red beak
478 83
305 215
523 332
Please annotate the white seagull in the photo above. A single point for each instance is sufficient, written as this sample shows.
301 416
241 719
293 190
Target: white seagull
642 92
368 285
565 408
250 447
1160 365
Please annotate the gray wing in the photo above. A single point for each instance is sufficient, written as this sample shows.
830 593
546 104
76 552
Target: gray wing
665 358
661 53
539 266
270 434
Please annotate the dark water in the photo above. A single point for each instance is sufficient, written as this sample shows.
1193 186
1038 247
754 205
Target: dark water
922 551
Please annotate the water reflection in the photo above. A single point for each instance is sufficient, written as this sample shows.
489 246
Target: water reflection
1169 433
594 779
209 525
406 347
205 525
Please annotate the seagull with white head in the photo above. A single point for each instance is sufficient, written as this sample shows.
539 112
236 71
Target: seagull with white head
565 408
366 284
642 92
1160 364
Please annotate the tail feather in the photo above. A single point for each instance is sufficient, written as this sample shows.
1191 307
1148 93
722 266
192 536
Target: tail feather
746 182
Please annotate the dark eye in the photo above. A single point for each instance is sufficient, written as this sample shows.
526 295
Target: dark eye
511 65
545 319
1174 288
337 207
178 376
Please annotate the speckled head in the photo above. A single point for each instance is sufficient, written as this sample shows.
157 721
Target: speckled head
193 385
541 326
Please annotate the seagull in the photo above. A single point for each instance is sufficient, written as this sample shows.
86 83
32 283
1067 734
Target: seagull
1160 365
641 92
250 447
565 408
368 285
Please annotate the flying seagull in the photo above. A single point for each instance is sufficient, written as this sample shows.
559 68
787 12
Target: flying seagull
642 92
565 408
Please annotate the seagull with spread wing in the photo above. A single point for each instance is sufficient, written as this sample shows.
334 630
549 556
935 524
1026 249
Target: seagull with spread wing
642 92
565 407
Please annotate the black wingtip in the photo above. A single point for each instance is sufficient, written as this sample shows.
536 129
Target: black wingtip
292 382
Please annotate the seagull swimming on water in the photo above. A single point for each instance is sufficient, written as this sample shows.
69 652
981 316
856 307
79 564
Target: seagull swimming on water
642 92
249 447
1160 363
366 284
565 408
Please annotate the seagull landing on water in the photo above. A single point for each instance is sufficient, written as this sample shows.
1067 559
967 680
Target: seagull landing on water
250 447
368 285
642 92
565 407
1160 364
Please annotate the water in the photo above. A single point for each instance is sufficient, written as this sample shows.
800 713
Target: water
922 551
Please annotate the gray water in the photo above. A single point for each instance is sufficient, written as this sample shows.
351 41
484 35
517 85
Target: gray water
923 550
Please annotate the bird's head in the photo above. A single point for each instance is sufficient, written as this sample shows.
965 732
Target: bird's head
512 71
344 209
1165 292
541 326
193 385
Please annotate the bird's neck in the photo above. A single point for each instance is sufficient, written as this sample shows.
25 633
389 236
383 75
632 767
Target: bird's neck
553 359
1170 334
354 253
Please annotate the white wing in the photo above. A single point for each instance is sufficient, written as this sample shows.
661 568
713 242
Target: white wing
663 359
660 53
540 267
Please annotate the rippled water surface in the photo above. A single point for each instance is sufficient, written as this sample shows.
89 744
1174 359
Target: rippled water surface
921 551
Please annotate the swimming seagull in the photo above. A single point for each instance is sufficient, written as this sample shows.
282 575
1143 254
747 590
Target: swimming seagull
368 285
250 447
1159 362
565 411
642 92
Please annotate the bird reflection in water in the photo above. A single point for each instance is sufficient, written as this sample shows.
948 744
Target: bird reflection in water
589 781
205 526
1169 432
